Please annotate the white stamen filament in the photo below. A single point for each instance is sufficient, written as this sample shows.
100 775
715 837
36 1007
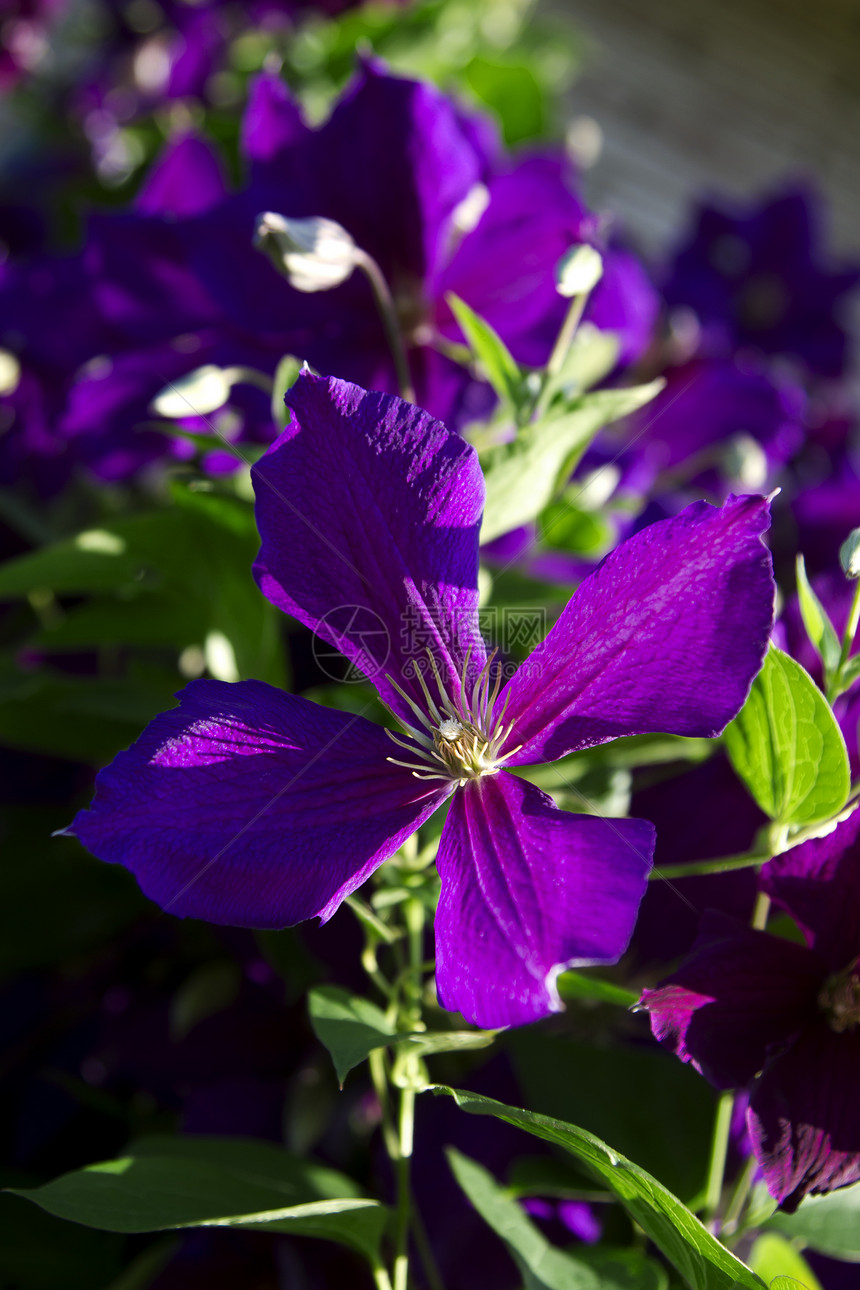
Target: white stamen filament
467 737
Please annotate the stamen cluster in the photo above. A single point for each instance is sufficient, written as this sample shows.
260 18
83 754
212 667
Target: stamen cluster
839 999
457 739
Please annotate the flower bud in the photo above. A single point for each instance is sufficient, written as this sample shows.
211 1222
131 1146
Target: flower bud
197 394
313 254
849 555
578 271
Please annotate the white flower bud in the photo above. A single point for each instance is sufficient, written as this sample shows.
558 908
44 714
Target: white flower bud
314 254
578 271
10 372
849 555
197 394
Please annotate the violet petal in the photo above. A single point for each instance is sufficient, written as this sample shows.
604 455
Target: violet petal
666 634
804 1117
526 890
818 883
252 807
740 993
369 513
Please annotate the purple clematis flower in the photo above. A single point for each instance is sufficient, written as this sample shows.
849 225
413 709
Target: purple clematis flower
751 1009
756 277
250 806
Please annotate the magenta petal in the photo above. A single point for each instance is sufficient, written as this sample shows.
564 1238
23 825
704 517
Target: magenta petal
739 994
369 513
252 807
666 634
528 889
819 884
804 1117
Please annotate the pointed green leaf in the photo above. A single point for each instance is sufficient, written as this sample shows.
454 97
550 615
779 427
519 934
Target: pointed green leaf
490 350
819 628
701 1260
829 1224
347 1025
165 1183
543 1267
786 746
523 476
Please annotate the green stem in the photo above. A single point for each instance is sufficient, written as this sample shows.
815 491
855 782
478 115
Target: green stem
381 1278
834 689
761 911
738 1198
719 1151
403 1212
388 313
724 864
564 340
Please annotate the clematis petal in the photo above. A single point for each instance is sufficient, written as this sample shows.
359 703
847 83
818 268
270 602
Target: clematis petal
819 884
369 513
185 180
528 889
740 993
271 122
666 634
804 1116
252 807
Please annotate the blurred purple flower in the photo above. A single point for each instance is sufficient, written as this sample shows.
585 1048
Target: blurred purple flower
757 276
749 1009
250 806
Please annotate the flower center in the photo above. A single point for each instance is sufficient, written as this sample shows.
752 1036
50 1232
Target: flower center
839 999
456 739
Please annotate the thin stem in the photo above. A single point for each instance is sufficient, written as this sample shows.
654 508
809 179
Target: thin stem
724 864
564 340
404 1189
738 1197
719 1151
835 689
391 323
381 1278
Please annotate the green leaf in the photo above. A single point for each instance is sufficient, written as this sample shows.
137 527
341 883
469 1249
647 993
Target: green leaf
701 1260
576 985
511 90
165 1183
347 1025
490 350
829 1224
523 476
786 746
542 1265
819 628
777 1261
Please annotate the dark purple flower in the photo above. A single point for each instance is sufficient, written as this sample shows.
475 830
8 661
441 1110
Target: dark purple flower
749 1009
757 276
251 806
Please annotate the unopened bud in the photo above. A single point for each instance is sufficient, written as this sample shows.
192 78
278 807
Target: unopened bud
744 459
578 271
849 554
197 394
10 372
314 254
